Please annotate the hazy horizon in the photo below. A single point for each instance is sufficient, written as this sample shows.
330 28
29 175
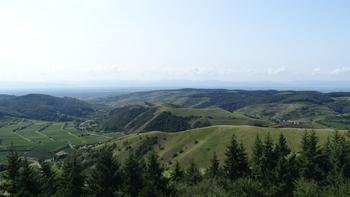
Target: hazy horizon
94 89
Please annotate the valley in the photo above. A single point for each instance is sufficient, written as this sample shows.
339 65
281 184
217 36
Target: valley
186 137
43 139
40 126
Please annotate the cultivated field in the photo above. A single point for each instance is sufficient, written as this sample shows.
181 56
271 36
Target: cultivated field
42 139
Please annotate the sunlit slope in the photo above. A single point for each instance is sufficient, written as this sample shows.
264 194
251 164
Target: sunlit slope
166 117
200 144
267 108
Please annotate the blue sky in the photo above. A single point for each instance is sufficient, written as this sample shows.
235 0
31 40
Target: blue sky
145 40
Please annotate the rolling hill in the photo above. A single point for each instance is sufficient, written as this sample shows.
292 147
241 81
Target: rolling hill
33 121
200 144
301 109
170 118
227 99
43 107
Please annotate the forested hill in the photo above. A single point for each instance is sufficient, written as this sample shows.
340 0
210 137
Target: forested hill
306 109
226 99
43 107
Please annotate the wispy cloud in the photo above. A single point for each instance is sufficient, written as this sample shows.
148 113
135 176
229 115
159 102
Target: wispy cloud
316 71
276 71
341 70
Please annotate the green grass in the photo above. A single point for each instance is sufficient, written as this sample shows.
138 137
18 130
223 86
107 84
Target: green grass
269 111
200 144
212 111
218 116
32 142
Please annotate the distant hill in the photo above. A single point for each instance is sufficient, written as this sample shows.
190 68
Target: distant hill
140 118
170 118
43 107
227 99
304 109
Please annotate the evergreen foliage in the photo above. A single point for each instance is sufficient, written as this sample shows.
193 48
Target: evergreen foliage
214 170
155 183
12 172
48 179
236 163
105 177
72 178
177 174
27 181
310 158
317 170
133 176
256 162
193 175
246 187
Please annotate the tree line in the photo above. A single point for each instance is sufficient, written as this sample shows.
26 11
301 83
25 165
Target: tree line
272 170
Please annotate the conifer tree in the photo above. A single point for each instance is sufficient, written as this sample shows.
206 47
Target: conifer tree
133 176
335 176
337 151
310 157
286 169
73 180
258 150
304 140
48 180
325 160
268 162
281 149
155 183
242 159
236 163
177 174
214 170
286 172
12 172
27 181
341 154
105 178
269 156
193 174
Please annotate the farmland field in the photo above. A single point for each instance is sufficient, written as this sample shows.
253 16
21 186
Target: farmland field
42 139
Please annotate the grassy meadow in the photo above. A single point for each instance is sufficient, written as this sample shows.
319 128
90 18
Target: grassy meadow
200 144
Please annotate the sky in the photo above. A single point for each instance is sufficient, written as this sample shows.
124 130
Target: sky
155 40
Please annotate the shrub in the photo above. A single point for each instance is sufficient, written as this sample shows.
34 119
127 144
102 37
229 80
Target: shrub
208 187
306 188
246 187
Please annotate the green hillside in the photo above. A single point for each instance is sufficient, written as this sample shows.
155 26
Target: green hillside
43 107
223 98
143 118
41 125
199 144
42 139
203 107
